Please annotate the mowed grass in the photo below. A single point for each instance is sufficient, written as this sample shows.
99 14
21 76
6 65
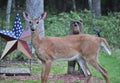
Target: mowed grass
110 62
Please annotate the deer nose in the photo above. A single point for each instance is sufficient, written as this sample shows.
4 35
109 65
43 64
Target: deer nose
32 29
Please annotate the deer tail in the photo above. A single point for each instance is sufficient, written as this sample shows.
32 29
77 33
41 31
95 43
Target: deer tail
104 43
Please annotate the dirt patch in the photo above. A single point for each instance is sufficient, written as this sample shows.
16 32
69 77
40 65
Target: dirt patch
64 77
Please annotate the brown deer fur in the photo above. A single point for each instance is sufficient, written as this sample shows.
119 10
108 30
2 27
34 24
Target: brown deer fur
49 49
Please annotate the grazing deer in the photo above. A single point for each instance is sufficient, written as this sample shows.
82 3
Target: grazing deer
82 47
76 27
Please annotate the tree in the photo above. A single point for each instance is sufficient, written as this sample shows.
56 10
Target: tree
74 5
95 7
8 11
65 5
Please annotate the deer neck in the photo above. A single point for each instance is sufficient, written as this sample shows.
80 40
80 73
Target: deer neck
36 38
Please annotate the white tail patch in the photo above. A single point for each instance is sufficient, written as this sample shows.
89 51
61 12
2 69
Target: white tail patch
106 48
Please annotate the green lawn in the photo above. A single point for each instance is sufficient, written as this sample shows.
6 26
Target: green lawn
110 62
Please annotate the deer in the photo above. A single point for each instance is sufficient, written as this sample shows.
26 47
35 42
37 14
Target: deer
81 47
76 27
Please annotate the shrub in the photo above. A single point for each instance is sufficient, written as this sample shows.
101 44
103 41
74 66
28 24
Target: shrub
58 25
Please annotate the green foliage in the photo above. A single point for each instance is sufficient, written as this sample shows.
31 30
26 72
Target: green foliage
110 26
58 25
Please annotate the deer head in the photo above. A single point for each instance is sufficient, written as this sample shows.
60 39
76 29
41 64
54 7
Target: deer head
34 22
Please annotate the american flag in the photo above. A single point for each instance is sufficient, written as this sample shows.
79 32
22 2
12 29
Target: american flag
17 29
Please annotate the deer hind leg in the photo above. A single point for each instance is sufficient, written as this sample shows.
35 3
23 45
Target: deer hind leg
81 61
97 66
45 71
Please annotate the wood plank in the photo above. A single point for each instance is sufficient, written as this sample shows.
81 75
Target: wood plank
14 71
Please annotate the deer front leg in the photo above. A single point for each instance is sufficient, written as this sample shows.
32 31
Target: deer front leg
45 71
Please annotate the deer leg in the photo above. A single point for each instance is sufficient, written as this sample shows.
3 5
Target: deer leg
79 71
85 69
89 75
96 65
81 61
71 67
45 71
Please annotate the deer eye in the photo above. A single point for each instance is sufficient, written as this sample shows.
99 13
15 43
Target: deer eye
37 22
30 22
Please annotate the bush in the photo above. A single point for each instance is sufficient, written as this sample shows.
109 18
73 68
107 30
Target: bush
58 25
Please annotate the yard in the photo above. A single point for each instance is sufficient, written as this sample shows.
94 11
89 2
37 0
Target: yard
58 25
59 69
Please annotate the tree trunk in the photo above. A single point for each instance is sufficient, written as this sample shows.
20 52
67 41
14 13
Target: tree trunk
95 7
74 5
13 5
8 11
35 8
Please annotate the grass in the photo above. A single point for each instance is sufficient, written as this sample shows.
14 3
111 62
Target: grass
110 63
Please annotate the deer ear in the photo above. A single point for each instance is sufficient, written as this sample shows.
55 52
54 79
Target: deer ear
43 15
26 16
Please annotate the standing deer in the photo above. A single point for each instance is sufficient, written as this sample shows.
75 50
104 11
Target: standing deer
82 47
